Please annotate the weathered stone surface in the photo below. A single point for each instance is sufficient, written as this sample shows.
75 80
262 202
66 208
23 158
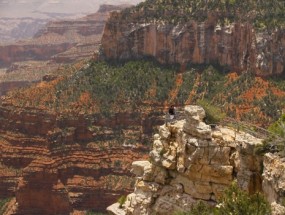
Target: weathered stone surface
138 167
211 173
194 114
273 183
164 132
277 209
155 173
237 45
139 203
115 209
166 205
194 124
198 190
171 198
248 164
186 167
201 130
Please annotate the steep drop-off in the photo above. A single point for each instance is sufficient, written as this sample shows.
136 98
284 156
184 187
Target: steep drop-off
67 130
151 29
190 161
54 164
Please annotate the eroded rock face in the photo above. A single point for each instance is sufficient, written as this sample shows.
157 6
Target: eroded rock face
273 183
237 46
55 165
186 166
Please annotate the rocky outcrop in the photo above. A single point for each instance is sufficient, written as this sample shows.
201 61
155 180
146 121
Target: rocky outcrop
190 161
273 183
237 46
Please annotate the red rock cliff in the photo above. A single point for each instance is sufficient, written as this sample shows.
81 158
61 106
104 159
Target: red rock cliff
55 164
238 46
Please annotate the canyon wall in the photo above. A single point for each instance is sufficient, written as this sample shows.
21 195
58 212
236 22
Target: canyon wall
237 46
27 52
60 36
191 161
57 164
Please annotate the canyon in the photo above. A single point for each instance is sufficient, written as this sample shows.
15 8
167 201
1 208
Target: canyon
20 20
53 164
58 42
68 141
59 36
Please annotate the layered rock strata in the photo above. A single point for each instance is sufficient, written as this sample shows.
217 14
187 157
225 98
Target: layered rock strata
190 161
237 46
55 165
70 37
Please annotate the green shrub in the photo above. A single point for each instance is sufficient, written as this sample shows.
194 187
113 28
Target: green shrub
275 143
262 14
122 201
213 114
237 202
233 202
198 209
3 205
278 127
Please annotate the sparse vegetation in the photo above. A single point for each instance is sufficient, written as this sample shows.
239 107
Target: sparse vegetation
111 87
234 202
200 208
122 201
275 142
3 204
262 13
213 113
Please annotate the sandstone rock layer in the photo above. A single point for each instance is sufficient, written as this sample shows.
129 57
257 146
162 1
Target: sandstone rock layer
55 165
237 46
190 161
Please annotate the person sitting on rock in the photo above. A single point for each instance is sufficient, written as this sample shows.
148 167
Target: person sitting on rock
171 112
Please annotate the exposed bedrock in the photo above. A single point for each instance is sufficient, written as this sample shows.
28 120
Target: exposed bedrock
237 46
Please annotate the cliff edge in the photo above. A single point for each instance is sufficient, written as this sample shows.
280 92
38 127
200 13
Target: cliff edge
239 45
191 161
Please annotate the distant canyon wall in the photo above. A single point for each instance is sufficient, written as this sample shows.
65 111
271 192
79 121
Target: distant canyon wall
56 37
237 46
26 52
55 165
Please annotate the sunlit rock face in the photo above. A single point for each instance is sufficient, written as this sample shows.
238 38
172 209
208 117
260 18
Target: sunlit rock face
273 183
189 161
237 46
